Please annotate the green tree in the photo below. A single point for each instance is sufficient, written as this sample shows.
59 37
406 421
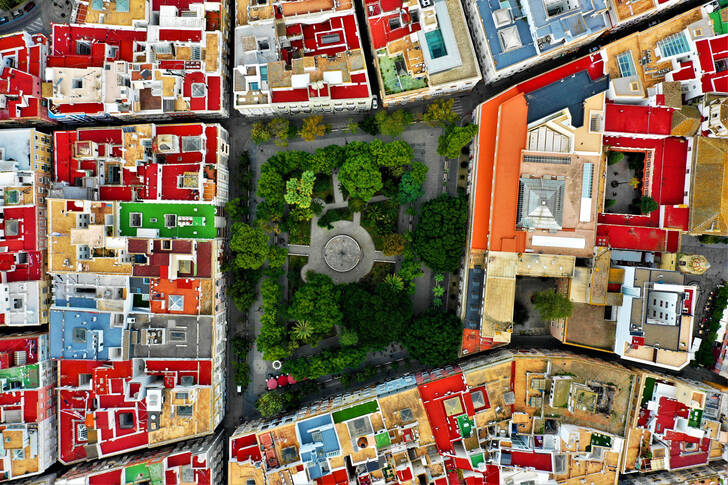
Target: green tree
260 132
312 128
454 139
433 338
236 209
302 330
440 112
394 282
393 244
377 315
324 363
272 339
277 256
647 204
271 188
348 338
392 124
360 177
298 191
410 269
409 189
614 158
438 291
551 305
440 235
317 302
393 155
270 404
327 159
279 128
610 203
369 125
249 244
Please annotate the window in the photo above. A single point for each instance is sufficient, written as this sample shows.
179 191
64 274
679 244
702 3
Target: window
126 420
84 252
327 39
170 220
177 335
135 219
184 411
198 90
181 395
595 123
113 51
263 44
394 23
83 48
626 64
77 83
79 335
673 45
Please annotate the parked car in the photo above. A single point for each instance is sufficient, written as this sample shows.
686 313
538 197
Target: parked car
29 6
4 20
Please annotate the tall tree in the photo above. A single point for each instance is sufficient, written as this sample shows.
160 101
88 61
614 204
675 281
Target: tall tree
440 235
440 112
280 129
298 191
316 302
377 315
312 128
327 159
648 204
270 404
361 177
552 305
250 246
454 139
393 124
433 338
260 133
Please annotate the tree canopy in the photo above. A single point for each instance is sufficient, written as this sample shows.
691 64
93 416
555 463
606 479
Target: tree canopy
440 112
440 235
298 191
394 123
316 302
325 160
433 338
454 139
552 305
648 204
312 128
250 245
377 315
270 404
361 177
260 133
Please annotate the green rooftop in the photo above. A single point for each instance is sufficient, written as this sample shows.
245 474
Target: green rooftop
26 374
382 439
719 25
466 425
355 411
695 418
194 221
395 76
601 440
144 473
477 460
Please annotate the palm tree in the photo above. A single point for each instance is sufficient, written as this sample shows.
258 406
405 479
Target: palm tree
439 277
438 291
394 282
302 331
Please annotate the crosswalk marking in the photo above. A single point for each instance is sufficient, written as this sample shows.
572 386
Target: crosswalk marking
35 26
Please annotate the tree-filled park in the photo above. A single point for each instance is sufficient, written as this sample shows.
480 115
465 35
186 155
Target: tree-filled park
316 320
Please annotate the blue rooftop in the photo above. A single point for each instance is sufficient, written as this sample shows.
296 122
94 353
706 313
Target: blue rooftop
318 438
565 20
569 92
82 335
503 58
76 302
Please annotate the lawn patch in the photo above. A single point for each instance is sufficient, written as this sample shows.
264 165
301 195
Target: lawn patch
355 411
